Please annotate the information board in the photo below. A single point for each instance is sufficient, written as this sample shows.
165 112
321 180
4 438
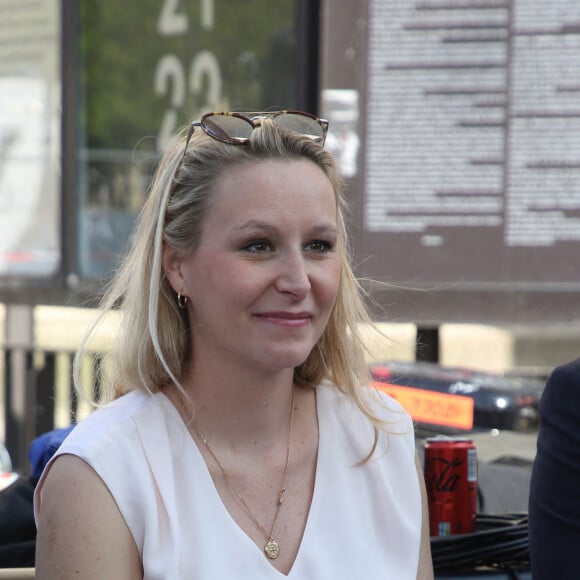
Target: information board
29 138
472 145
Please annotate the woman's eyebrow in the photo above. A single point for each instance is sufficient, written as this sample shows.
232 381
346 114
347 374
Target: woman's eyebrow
253 225
320 229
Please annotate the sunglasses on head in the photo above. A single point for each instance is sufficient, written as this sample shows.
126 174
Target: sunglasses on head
236 128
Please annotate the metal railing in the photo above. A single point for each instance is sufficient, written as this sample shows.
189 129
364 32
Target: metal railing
38 397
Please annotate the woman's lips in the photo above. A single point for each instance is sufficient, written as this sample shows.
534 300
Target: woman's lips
288 319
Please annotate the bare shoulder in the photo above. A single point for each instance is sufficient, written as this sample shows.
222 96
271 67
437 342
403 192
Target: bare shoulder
81 532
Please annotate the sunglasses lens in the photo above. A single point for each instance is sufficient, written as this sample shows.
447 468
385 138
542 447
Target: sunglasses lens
302 124
227 127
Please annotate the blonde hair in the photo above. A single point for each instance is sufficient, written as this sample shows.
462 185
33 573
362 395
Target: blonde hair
154 345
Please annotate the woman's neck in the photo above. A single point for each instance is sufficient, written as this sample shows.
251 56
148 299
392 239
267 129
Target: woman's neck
239 408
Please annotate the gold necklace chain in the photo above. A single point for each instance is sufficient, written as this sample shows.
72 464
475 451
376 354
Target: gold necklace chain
271 547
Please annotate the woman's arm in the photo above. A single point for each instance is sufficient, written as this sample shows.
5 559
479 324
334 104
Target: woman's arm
425 570
81 533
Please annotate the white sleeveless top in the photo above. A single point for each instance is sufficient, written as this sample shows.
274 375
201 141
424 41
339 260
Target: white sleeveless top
364 521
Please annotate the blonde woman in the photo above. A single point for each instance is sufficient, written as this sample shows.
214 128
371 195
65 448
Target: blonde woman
241 440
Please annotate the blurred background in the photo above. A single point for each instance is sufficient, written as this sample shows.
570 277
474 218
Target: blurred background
456 124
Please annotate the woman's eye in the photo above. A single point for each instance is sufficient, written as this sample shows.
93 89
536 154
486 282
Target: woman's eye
258 246
319 246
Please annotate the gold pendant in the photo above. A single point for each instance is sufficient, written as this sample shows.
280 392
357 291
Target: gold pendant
272 549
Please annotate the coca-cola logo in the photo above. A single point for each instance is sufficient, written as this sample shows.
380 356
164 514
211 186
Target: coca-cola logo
443 474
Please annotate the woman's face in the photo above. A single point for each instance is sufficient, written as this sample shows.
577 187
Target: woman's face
264 278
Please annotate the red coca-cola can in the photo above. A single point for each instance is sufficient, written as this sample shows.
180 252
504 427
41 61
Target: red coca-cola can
451 479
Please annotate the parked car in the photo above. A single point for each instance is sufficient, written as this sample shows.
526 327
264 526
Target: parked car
460 399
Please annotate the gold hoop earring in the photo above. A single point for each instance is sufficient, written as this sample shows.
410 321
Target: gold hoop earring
181 301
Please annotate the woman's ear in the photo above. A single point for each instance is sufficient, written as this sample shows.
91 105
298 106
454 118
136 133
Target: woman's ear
172 262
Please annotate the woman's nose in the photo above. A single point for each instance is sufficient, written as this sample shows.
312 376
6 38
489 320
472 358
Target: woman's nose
293 277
